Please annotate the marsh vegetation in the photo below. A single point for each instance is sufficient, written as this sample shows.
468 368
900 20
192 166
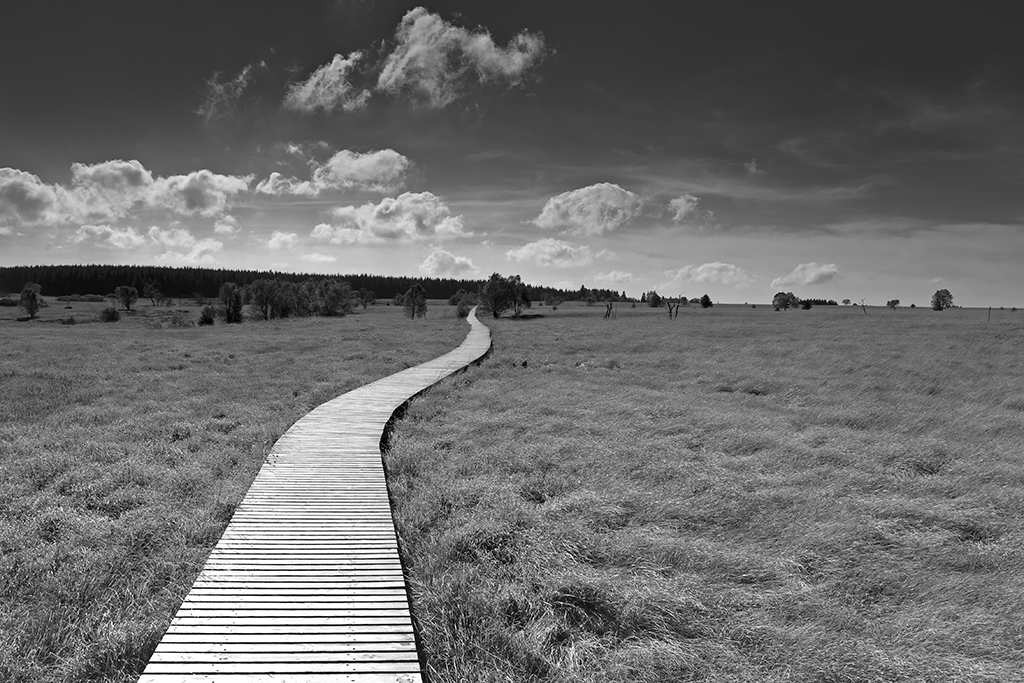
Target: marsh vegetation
733 495
124 449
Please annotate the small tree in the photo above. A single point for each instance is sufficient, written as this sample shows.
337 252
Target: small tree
126 296
806 304
335 297
230 296
455 298
941 299
783 300
152 292
495 295
654 300
261 294
366 297
31 299
705 302
893 303
847 302
415 300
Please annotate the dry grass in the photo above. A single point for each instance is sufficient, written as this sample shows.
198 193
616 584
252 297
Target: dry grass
738 495
124 449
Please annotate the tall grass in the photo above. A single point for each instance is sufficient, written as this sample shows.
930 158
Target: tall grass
124 449
736 495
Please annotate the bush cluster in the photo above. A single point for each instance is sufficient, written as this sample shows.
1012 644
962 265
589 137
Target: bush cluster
110 315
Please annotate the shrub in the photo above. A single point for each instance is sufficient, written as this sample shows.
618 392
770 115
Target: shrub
110 315
70 320
8 302
206 315
463 309
806 304
181 319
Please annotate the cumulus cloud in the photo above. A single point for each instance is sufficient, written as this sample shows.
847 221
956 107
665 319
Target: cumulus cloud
376 171
317 257
109 190
683 206
200 192
409 216
442 263
172 237
277 184
4 230
709 273
329 88
551 252
808 274
379 171
222 97
105 235
26 198
282 240
226 225
590 210
200 253
615 277
752 168
435 61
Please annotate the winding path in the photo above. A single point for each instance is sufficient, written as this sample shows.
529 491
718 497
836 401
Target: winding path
305 585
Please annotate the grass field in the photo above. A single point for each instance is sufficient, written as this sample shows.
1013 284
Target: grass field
736 495
124 449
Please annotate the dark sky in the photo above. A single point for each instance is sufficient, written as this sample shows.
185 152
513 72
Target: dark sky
811 135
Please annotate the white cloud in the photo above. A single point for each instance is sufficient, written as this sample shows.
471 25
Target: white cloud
104 235
607 254
222 96
4 230
752 168
329 88
435 61
683 206
200 192
551 252
808 274
709 273
409 216
377 171
277 184
26 198
590 210
616 277
319 258
109 190
935 280
282 240
441 263
172 237
226 225
200 253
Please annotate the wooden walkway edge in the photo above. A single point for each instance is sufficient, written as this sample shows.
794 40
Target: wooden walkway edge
306 585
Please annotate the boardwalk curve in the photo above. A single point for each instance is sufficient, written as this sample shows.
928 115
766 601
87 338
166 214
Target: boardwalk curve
306 585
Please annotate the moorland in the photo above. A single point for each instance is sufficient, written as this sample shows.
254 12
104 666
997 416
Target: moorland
125 447
734 495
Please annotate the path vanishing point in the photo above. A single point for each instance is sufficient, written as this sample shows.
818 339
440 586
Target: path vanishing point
305 585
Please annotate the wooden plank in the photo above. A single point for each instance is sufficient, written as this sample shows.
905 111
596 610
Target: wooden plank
306 584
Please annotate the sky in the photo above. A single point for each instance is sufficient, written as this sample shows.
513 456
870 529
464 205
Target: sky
869 151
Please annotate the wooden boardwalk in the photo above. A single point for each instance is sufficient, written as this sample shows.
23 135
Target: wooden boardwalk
305 585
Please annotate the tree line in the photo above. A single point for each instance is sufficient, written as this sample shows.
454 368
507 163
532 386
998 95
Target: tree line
101 280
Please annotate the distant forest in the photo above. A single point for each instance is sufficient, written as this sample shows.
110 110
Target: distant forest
188 282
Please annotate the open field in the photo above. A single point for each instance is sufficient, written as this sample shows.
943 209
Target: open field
736 495
124 449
